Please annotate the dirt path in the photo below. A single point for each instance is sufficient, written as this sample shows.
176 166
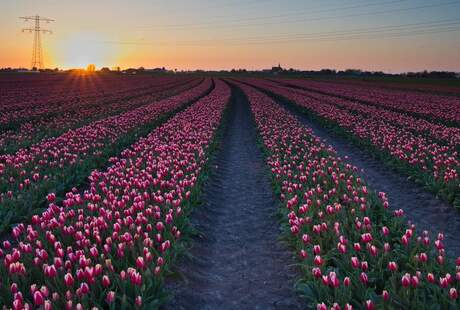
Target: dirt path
238 263
420 206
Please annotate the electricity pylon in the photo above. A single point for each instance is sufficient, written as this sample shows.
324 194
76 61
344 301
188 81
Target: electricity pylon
37 52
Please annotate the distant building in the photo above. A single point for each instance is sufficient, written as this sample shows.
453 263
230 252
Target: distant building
278 69
274 70
162 69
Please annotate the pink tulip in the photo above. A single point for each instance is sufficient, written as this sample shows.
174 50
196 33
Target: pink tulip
316 272
110 298
392 266
370 305
385 295
355 262
453 293
303 254
105 281
68 279
363 277
321 306
38 298
318 260
140 262
405 280
316 249
51 197
348 307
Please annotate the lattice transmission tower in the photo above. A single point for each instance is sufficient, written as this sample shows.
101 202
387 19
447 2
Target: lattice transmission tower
37 52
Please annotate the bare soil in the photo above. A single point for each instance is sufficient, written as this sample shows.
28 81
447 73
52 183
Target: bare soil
237 262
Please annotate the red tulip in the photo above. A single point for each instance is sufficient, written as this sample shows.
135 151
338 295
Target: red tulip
318 260
355 262
423 257
363 277
453 293
333 280
38 298
321 306
392 266
140 262
414 281
84 288
385 295
68 279
48 305
138 301
110 297
306 239
303 254
316 272
405 280
357 247
51 197
316 249
385 231
105 281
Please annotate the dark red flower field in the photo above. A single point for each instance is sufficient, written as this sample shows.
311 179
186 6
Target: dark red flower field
187 192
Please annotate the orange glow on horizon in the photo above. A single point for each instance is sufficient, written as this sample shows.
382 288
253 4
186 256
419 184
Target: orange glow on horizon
80 49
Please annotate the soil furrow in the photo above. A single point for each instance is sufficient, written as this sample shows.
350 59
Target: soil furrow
421 207
238 261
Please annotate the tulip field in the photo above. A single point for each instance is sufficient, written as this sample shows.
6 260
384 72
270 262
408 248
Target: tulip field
426 148
101 177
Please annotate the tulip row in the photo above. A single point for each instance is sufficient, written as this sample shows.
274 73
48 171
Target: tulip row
442 134
12 118
353 252
31 132
111 245
429 162
64 91
418 86
435 107
58 163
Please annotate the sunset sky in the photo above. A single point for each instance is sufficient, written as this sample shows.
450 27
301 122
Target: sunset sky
386 35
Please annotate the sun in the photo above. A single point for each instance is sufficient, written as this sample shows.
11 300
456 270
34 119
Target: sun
83 48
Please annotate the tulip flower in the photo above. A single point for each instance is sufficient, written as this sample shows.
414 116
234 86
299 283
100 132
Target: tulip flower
321 306
363 277
38 298
453 293
68 279
392 266
110 297
385 295
355 262
406 280
318 260
370 305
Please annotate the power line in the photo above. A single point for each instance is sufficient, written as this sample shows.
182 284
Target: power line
243 2
37 52
293 21
297 13
447 25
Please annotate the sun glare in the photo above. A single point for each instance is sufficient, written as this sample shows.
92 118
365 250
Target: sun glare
83 48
